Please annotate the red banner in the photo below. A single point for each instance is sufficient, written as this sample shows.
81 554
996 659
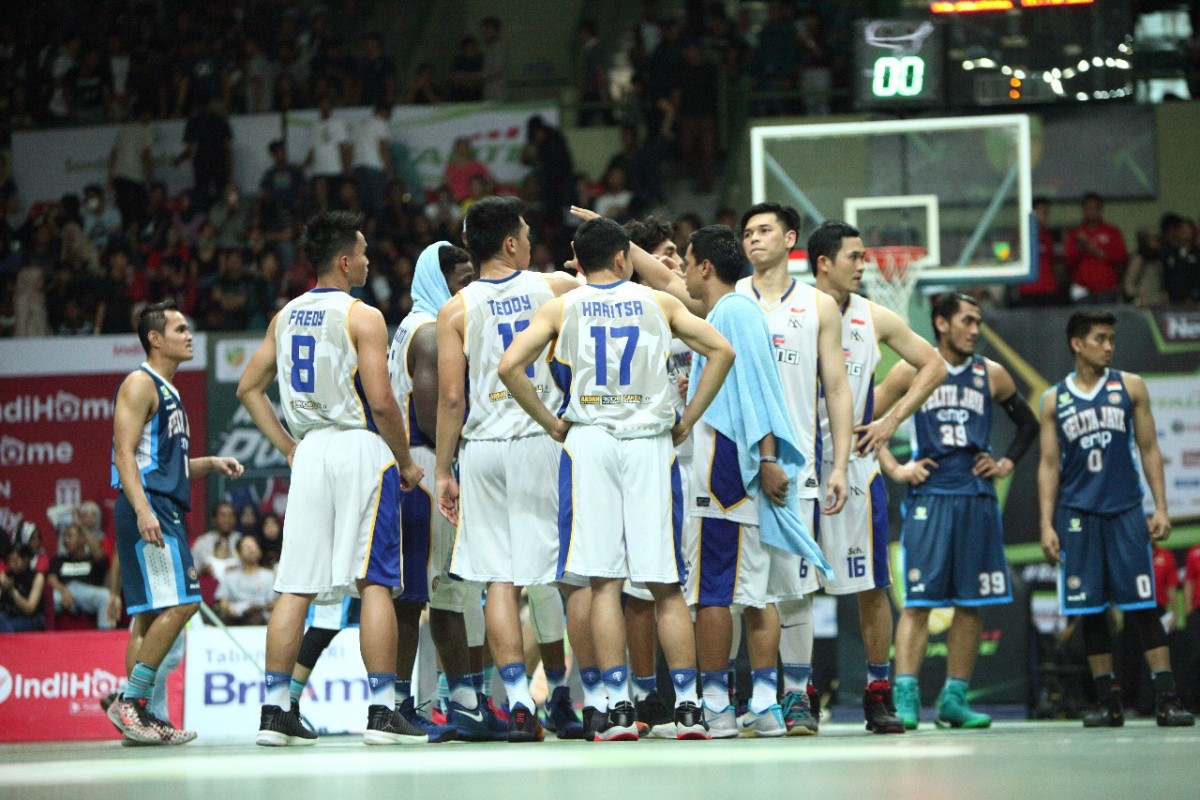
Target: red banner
56 406
51 685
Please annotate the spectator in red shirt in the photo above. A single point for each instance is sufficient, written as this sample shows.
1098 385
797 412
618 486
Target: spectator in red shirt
1191 582
1166 581
1096 255
1046 289
462 167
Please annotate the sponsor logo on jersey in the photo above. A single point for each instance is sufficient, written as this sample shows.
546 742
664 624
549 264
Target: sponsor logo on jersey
978 383
1064 398
1074 582
795 322
702 502
1077 598
778 339
857 321
856 336
914 574
920 512
1114 398
795 310
1076 525
811 483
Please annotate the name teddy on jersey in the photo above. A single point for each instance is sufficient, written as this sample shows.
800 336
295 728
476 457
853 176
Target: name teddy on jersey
1087 421
509 306
950 397
597 308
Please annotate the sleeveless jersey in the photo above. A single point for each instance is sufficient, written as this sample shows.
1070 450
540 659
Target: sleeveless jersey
952 426
794 325
496 311
861 350
398 374
1100 474
610 360
162 452
318 365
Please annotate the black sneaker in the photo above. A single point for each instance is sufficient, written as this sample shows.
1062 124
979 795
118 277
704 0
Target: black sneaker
652 712
1106 713
879 709
689 722
524 725
279 728
388 726
622 724
1170 714
814 703
594 721
560 715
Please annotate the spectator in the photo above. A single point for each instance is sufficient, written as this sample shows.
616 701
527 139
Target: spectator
495 74
78 579
270 539
424 90
1046 289
8 314
617 200
189 220
158 218
269 291
1143 283
816 62
461 167
774 62
119 292
685 225
377 75
101 223
74 320
233 298
230 218
442 212
1180 261
372 158
1166 586
214 551
77 249
541 258
390 285
208 141
466 72
260 77
331 150
118 63
547 153
1096 255
697 104
21 593
202 74
246 591
29 303
174 281
131 166
594 97
87 88
641 163
280 191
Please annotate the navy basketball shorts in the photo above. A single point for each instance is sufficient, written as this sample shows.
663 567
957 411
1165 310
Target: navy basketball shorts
1105 560
952 549
152 577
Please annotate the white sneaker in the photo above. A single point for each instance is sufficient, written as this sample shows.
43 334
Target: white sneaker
722 724
769 723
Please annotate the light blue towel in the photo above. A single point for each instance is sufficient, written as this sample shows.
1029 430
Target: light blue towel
429 289
748 407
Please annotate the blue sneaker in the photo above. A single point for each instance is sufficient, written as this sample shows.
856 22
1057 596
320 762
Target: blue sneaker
559 715
475 724
436 733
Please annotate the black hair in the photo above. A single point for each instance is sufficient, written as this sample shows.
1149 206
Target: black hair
719 245
154 318
649 232
826 241
488 223
450 257
329 235
1081 323
788 217
597 242
946 305
1092 196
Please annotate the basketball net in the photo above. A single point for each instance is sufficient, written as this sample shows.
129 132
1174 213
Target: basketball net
890 275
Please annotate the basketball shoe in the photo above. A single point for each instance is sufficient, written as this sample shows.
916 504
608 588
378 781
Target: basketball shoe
908 704
436 733
476 724
524 725
879 710
386 725
689 723
953 711
1107 713
722 724
622 724
594 721
279 728
134 720
768 724
560 717
1168 712
797 716
655 717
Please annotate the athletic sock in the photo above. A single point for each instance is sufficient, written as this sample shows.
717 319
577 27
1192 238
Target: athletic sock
795 677
766 689
516 684
477 682
403 689
383 688
489 679
296 689
141 682
461 690
443 691
715 686
555 678
594 695
685 686
644 685
616 684
878 672
278 686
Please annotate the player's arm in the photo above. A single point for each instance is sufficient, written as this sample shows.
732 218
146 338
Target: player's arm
831 362
561 282
368 332
931 371
706 340
207 465
1048 474
30 603
423 366
252 392
452 400
136 403
1005 395
893 386
1146 436
887 392
524 350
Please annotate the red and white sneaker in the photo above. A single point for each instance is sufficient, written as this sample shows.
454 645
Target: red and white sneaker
138 725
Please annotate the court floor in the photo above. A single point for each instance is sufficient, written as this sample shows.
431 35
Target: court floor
1013 760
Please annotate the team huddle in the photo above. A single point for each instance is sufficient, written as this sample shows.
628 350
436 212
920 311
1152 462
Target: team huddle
531 431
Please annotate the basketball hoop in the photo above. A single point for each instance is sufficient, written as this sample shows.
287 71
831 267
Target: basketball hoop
891 274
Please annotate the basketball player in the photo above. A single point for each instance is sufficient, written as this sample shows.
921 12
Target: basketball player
619 483
151 469
952 538
341 530
506 526
1093 525
855 541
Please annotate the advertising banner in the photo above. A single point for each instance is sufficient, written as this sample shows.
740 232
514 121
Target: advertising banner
225 689
1175 400
56 403
50 163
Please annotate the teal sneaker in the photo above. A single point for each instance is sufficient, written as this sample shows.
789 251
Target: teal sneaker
908 704
953 711
797 715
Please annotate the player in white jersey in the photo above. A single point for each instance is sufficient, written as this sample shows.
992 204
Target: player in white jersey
350 461
620 492
507 514
806 333
855 541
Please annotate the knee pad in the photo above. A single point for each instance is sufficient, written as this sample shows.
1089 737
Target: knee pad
1097 639
547 614
1147 630
313 644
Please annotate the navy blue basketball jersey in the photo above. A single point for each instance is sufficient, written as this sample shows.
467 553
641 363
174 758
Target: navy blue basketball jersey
162 452
953 425
1095 434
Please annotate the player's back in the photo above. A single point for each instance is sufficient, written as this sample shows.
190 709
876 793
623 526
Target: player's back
952 426
1099 472
610 360
495 312
161 454
860 346
400 377
317 364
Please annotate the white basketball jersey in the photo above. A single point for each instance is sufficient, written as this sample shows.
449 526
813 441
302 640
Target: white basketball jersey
861 349
679 367
496 311
317 365
794 325
611 360
401 380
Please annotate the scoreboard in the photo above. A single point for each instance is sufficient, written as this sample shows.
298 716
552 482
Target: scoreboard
899 64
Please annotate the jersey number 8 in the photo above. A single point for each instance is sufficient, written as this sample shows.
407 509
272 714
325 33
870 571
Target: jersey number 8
304 356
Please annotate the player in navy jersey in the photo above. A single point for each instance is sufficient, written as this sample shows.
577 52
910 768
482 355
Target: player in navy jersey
952 540
151 468
1093 525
